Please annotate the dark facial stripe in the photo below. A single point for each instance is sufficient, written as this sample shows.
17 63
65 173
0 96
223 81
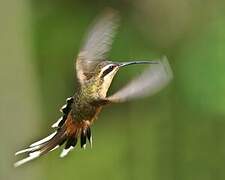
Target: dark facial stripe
107 71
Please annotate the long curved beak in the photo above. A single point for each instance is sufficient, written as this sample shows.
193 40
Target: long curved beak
122 64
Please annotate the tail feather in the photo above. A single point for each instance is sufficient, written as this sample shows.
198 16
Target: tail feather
83 138
68 134
70 144
56 124
66 151
42 147
30 149
89 136
46 139
31 156
51 142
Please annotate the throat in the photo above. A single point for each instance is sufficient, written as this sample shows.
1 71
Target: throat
105 87
103 91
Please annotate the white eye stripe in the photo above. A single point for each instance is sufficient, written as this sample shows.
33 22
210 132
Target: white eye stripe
106 67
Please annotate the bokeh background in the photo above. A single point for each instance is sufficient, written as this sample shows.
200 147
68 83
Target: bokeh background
179 134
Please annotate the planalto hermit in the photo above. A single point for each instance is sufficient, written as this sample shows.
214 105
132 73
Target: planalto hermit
94 76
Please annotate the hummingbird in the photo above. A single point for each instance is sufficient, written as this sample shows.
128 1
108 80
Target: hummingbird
94 74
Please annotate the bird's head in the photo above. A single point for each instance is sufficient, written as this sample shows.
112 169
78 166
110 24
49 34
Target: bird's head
106 70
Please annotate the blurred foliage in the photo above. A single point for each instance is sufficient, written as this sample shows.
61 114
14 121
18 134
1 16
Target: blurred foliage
204 56
177 134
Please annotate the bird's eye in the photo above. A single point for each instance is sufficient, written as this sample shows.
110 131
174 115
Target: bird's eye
108 70
111 67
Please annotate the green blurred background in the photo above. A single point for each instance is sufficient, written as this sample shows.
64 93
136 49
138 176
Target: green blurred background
176 135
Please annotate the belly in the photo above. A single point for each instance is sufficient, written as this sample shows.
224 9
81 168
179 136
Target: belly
85 112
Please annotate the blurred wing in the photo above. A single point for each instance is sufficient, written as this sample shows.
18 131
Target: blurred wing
97 43
149 82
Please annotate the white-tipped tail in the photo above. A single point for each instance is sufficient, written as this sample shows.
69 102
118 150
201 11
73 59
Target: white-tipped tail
56 124
43 140
52 141
31 156
66 151
27 150
42 147
63 107
54 148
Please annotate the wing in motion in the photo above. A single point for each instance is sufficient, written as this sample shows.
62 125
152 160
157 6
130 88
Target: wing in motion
97 43
148 83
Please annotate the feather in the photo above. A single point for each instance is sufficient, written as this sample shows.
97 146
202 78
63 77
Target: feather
97 43
66 151
43 140
56 124
83 139
89 136
31 156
